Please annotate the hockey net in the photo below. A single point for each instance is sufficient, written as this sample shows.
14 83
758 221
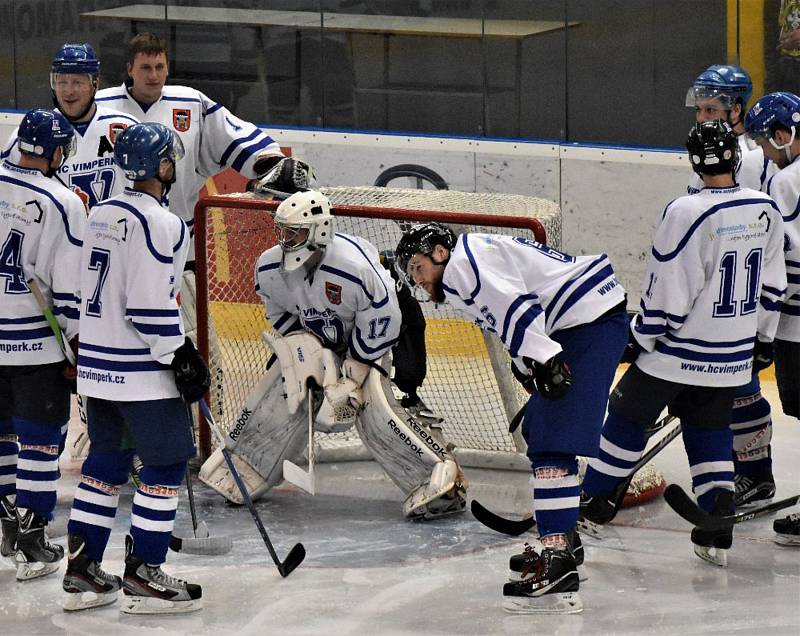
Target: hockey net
468 382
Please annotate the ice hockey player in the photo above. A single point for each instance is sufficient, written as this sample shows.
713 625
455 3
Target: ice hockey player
709 310
722 91
557 315
335 316
213 138
41 232
774 124
138 371
91 172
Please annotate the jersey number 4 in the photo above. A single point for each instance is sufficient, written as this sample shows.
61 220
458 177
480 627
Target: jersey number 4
11 263
727 305
100 261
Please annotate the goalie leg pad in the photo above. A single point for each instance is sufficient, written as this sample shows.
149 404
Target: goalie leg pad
415 457
264 435
302 358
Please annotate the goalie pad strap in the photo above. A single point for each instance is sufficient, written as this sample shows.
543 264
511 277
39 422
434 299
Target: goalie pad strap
301 358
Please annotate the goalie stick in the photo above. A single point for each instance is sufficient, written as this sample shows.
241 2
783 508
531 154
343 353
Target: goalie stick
292 472
684 505
298 552
517 527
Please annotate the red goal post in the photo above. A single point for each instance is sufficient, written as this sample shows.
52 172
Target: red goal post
469 382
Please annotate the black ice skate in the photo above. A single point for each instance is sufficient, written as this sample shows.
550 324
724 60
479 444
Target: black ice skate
517 563
752 490
548 584
35 557
787 530
600 510
148 590
86 584
8 526
713 545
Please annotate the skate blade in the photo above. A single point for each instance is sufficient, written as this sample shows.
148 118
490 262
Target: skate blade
754 503
514 576
714 556
558 603
787 539
590 528
35 570
152 605
76 601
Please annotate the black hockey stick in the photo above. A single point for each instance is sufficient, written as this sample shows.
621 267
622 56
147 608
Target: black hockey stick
684 505
516 528
298 552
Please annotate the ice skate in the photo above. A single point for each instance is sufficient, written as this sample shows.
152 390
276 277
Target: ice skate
787 530
713 545
548 584
753 490
85 583
148 590
517 562
35 556
8 526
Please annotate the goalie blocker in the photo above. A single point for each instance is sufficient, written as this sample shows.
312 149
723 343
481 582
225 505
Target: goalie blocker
271 428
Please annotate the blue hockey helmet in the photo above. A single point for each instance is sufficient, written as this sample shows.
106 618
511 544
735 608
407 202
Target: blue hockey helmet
713 148
726 82
140 149
42 131
74 59
775 110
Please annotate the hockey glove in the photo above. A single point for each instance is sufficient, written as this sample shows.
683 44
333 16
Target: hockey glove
286 177
763 355
524 377
631 350
553 378
191 372
69 372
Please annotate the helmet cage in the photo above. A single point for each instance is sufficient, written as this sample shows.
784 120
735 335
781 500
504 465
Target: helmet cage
303 225
713 148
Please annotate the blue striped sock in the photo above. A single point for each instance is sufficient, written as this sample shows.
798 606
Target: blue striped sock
556 493
622 444
710 463
8 458
153 514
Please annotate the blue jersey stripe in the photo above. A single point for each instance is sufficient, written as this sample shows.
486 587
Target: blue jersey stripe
121 365
521 327
148 240
22 321
158 330
701 219
28 334
587 286
122 351
164 313
248 152
55 202
708 343
698 356
513 308
223 160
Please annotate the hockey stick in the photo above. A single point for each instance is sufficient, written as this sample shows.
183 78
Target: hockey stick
298 552
684 505
516 528
292 472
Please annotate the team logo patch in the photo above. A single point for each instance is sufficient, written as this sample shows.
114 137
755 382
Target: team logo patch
181 119
333 292
115 129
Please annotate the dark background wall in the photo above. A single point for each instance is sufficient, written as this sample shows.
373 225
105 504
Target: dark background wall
608 71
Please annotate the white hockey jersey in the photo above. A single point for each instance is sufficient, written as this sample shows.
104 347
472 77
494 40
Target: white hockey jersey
130 274
213 138
753 172
784 187
716 278
524 291
42 225
348 302
91 172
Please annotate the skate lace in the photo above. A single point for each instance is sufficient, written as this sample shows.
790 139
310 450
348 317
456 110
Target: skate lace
533 563
159 576
742 484
794 517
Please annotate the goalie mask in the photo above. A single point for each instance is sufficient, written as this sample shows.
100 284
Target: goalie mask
713 148
304 225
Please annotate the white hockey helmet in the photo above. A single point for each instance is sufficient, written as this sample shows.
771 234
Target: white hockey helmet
303 224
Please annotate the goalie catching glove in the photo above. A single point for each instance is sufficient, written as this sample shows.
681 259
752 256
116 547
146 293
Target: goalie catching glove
281 177
191 372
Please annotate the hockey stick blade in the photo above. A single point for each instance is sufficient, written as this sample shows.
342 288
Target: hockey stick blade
500 524
299 477
516 528
684 505
298 552
209 546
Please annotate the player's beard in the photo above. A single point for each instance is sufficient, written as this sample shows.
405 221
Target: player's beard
437 292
